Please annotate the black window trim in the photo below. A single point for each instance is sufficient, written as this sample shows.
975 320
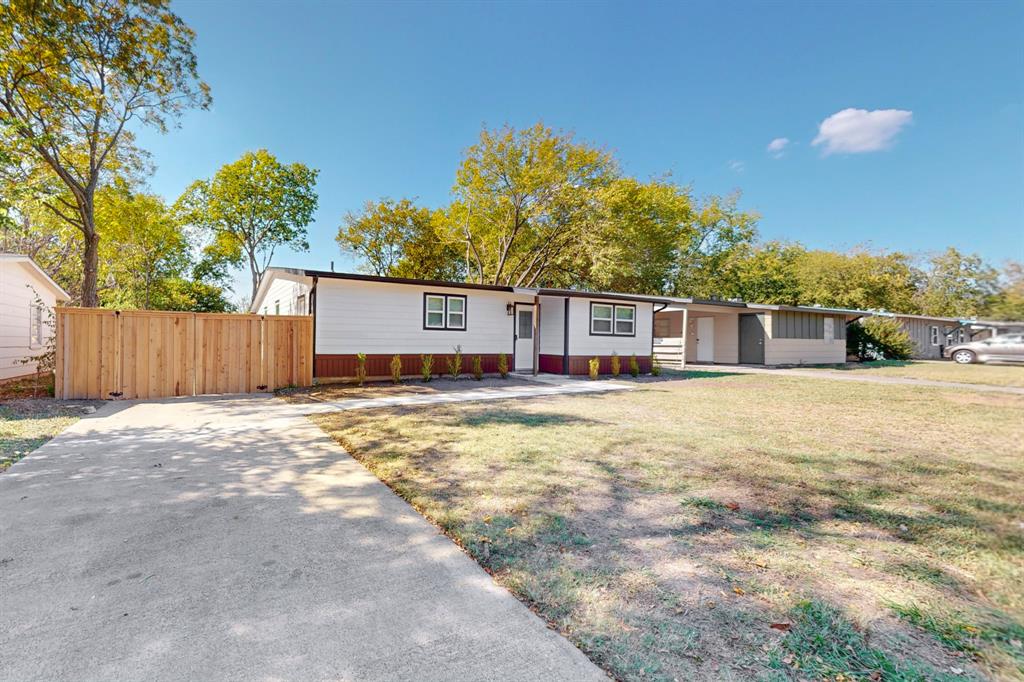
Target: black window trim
613 306
446 328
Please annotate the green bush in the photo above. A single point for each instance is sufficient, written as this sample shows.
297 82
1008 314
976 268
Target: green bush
503 365
634 366
360 368
455 363
616 365
594 368
478 368
426 367
655 367
396 369
879 338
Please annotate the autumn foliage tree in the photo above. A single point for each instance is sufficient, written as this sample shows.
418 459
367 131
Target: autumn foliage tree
73 76
250 208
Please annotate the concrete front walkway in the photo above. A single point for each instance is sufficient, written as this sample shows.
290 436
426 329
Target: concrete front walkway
229 539
854 375
539 387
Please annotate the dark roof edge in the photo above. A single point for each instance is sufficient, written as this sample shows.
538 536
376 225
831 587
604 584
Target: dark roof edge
597 295
405 280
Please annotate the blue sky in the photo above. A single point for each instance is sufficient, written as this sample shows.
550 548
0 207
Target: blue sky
383 98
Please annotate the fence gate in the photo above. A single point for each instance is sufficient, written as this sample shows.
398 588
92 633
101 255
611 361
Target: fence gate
151 354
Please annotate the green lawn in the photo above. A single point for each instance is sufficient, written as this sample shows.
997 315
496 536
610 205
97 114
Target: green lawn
27 424
937 370
736 527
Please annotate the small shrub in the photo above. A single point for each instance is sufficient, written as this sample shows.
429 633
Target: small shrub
396 369
878 338
478 368
634 366
360 368
426 367
594 367
616 365
503 365
655 367
455 363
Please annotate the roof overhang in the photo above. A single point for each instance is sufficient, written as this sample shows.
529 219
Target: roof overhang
32 266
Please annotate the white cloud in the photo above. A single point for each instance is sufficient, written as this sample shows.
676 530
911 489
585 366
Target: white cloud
853 131
778 146
737 166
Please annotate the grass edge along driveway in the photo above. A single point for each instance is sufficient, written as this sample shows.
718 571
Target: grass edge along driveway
743 526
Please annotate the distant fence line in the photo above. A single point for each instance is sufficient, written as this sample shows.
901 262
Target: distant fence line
133 354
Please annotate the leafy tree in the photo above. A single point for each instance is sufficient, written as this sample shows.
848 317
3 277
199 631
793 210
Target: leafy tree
718 236
763 274
250 208
877 338
637 242
72 76
143 247
859 279
956 285
1008 302
525 201
400 239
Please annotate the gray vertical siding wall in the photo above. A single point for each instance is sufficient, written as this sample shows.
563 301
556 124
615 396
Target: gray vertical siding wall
920 334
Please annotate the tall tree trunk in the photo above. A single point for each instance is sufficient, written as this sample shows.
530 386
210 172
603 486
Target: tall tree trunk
256 275
90 255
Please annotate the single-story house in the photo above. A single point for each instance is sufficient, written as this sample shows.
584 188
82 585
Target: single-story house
538 330
735 332
930 334
27 298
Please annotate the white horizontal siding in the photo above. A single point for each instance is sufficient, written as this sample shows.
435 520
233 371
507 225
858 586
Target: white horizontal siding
582 343
380 317
552 325
286 293
19 285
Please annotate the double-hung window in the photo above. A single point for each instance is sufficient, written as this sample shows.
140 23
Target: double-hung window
444 311
612 319
934 335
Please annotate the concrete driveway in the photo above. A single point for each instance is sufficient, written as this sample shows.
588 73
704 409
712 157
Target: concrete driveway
229 538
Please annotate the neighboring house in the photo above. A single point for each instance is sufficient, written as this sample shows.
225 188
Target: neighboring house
929 334
539 330
27 299
730 332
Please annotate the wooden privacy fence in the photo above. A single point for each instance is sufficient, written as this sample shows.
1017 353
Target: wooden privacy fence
149 354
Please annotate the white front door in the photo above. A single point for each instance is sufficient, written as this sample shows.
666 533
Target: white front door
524 338
705 339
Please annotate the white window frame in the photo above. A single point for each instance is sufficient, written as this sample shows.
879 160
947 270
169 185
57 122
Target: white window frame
631 320
933 332
613 320
445 311
610 319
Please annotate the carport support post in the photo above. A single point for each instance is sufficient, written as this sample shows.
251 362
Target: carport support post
686 325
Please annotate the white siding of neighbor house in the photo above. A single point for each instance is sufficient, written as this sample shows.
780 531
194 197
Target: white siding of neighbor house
552 325
287 293
801 351
381 317
582 343
19 284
